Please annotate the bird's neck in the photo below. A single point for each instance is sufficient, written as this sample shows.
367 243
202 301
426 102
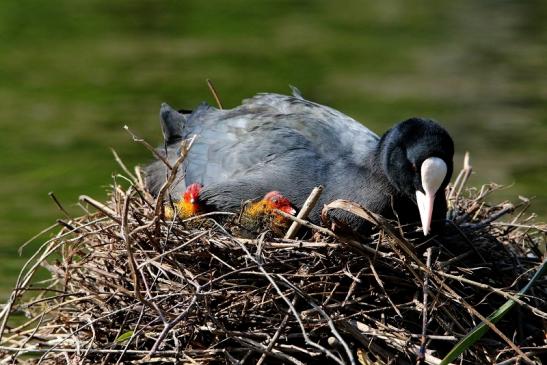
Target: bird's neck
373 190
370 188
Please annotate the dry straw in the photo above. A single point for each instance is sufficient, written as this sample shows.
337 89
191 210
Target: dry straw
125 285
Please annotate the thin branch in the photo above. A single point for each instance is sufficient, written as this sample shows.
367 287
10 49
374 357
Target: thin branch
423 340
307 207
214 92
59 205
149 147
124 167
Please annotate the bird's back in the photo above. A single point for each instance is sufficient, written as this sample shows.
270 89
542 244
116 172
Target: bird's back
270 142
275 132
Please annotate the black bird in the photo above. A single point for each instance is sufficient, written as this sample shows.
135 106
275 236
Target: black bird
289 144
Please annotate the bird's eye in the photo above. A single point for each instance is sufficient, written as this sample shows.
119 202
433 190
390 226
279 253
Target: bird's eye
413 167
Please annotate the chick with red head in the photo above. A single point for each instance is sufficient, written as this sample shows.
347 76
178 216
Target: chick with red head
261 215
256 216
188 206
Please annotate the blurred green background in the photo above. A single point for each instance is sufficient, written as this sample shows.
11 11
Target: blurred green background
72 73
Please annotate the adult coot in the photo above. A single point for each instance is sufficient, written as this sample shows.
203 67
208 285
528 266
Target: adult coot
288 144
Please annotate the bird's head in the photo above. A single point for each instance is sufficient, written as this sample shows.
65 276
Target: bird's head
262 214
189 205
276 200
266 207
191 195
417 157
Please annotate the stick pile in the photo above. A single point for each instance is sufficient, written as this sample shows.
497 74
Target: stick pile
124 285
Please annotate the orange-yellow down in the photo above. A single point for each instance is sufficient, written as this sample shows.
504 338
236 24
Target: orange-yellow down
256 216
261 215
188 206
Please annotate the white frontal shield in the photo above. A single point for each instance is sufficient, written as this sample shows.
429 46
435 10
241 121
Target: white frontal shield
433 172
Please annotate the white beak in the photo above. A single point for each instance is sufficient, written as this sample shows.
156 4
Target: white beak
433 173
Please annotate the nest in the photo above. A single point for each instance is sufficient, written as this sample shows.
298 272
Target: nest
125 285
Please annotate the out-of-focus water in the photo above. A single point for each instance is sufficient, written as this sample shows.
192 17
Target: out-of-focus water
73 73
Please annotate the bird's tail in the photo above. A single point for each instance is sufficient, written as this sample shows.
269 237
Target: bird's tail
172 123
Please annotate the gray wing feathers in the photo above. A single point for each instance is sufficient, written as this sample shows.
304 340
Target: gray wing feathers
350 133
267 132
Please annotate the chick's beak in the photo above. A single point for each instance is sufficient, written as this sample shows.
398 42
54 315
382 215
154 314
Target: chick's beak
433 172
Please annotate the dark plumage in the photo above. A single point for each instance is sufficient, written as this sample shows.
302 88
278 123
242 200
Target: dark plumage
289 144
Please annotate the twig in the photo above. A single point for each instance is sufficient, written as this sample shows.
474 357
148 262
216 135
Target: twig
329 320
108 351
381 284
185 147
462 178
305 223
516 359
140 179
124 168
507 208
59 205
395 342
423 340
42 232
307 207
124 230
500 292
101 207
274 353
354 208
276 335
214 92
328 232
292 309
148 147
22 280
